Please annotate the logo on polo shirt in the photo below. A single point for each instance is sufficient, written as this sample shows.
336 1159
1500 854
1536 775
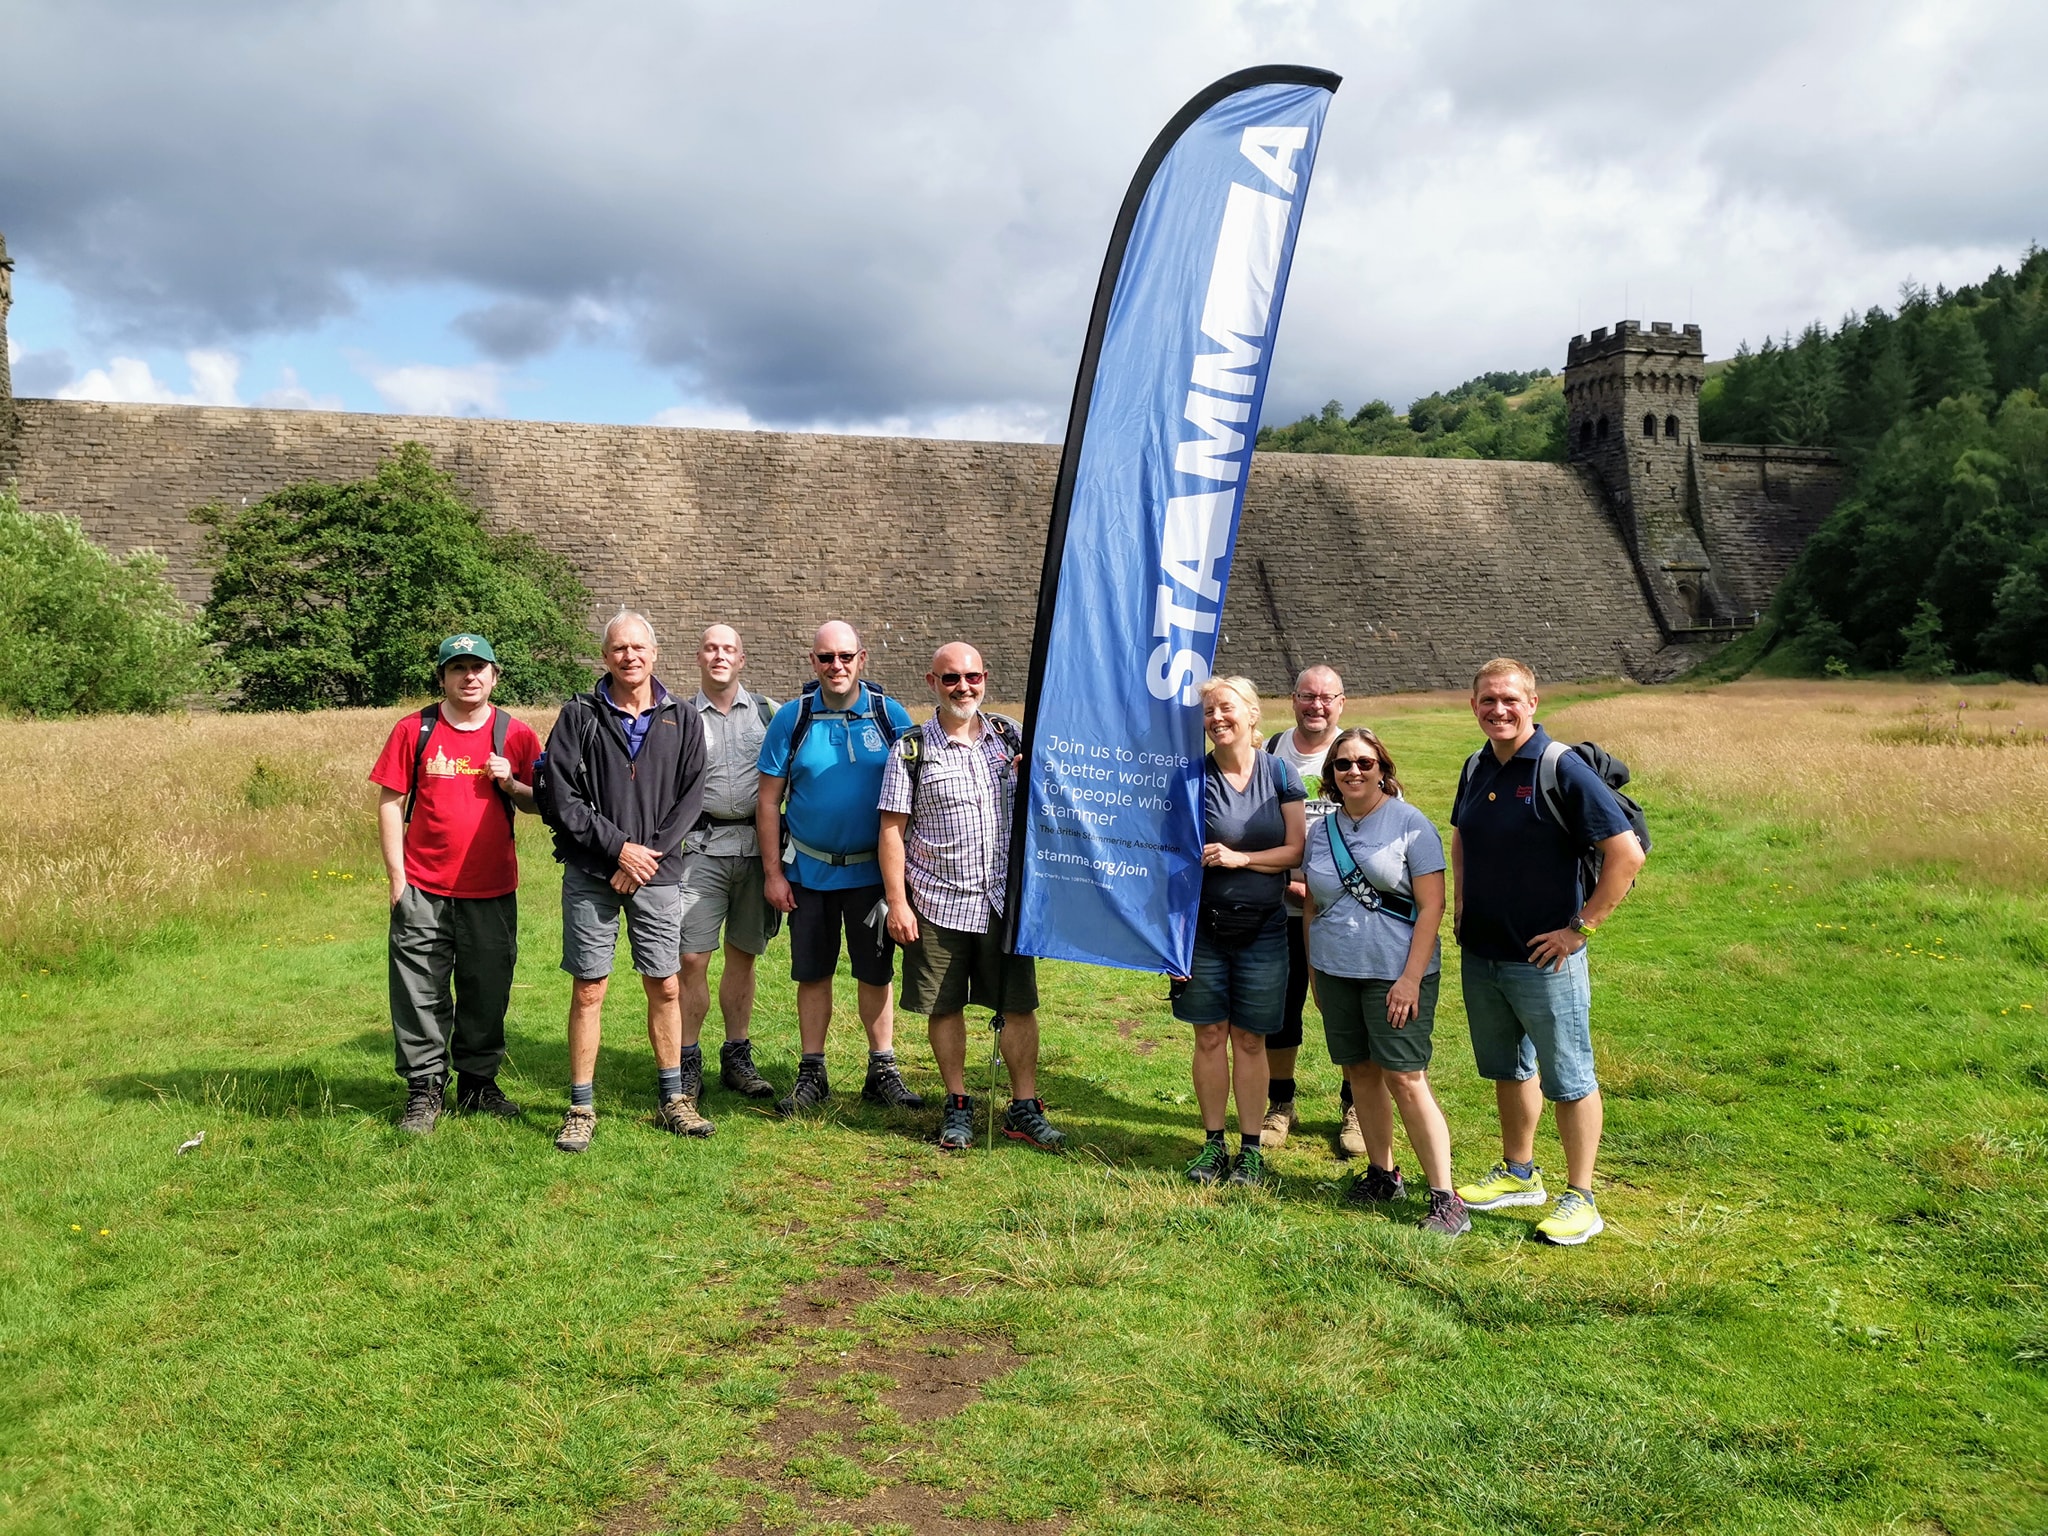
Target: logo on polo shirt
1526 792
870 738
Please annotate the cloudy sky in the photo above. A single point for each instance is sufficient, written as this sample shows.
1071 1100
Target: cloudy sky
865 215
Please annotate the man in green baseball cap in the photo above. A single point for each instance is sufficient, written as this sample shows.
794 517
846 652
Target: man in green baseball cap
449 779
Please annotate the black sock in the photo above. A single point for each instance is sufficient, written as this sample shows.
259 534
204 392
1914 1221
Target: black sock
1215 1138
1344 1096
881 1058
815 1060
1248 1142
1280 1091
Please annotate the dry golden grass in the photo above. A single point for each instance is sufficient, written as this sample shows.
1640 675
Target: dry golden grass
118 822
1890 771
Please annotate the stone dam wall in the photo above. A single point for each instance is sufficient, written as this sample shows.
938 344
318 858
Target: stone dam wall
1403 573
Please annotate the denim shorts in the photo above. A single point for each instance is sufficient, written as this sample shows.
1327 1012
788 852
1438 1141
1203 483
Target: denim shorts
1247 987
1526 1019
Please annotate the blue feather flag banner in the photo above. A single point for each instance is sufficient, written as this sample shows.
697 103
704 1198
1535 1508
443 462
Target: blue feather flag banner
1106 857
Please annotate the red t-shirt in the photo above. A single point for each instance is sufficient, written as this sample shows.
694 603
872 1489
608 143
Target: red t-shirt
459 841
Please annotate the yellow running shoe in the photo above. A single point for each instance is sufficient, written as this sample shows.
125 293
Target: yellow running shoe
1504 1187
1575 1219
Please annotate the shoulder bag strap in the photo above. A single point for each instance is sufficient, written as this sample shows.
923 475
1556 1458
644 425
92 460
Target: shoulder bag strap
429 717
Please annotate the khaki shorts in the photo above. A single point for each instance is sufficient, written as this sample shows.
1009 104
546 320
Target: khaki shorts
948 970
726 891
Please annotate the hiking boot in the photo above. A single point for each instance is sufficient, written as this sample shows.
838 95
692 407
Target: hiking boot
678 1116
483 1096
1446 1214
1025 1121
885 1086
956 1126
1376 1186
1350 1139
1503 1187
1249 1170
1574 1221
1280 1120
1211 1165
577 1126
424 1099
811 1089
736 1070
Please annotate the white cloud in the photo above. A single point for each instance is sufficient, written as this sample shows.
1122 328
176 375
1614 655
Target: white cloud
291 395
719 418
431 389
131 380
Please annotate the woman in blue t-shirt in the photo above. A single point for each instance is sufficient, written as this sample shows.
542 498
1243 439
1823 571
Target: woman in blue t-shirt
1370 920
1253 829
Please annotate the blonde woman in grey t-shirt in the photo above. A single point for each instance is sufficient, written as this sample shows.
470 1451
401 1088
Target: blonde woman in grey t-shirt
1371 918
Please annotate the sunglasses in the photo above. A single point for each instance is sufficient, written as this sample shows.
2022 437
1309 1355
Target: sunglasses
971 679
1354 765
826 658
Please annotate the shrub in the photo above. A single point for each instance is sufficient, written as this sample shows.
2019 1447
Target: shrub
82 632
335 595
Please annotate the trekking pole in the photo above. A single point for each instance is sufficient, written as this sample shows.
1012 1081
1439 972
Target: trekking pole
995 1036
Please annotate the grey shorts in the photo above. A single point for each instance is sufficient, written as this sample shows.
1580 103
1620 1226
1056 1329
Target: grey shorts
590 926
726 891
1356 1028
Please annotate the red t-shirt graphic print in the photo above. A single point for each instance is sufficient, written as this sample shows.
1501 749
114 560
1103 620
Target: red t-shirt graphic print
459 842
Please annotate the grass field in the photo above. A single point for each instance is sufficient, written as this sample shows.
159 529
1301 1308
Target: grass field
1821 1304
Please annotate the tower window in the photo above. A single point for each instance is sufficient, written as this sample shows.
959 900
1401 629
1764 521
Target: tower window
1585 434
1649 426
1671 426
1601 431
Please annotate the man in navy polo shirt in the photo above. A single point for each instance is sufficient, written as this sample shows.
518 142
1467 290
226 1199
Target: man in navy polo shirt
1522 921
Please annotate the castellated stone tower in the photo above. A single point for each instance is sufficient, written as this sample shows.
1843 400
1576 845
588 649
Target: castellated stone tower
1633 403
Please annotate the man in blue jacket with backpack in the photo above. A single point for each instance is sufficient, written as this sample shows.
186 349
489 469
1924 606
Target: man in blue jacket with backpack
1532 821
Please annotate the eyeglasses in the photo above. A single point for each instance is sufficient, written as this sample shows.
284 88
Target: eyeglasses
971 679
1317 698
826 658
1355 765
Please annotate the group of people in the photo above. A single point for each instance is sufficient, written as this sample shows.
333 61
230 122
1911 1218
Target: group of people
705 822
1321 878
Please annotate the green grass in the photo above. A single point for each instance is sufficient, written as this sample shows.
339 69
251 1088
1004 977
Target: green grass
1821 1304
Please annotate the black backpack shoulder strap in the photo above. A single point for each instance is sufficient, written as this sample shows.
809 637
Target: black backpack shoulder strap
878 709
501 732
1008 730
1273 744
429 717
1464 778
802 728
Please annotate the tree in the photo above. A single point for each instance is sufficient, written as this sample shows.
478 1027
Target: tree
82 632
330 595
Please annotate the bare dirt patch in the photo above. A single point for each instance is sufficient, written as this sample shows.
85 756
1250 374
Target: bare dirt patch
845 1441
1126 1028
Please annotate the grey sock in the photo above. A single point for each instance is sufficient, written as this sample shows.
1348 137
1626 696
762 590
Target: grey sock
882 1058
668 1082
582 1095
813 1059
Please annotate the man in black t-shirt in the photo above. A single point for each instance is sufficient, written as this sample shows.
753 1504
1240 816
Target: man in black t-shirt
1522 921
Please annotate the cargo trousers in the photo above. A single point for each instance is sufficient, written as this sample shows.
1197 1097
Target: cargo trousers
451 961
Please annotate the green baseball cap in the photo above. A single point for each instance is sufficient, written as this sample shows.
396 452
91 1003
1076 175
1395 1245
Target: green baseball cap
464 645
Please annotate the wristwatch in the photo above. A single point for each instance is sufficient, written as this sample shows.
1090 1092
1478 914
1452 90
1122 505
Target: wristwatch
1584 929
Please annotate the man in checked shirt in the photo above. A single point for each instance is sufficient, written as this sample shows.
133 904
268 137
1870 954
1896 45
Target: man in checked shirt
945 855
